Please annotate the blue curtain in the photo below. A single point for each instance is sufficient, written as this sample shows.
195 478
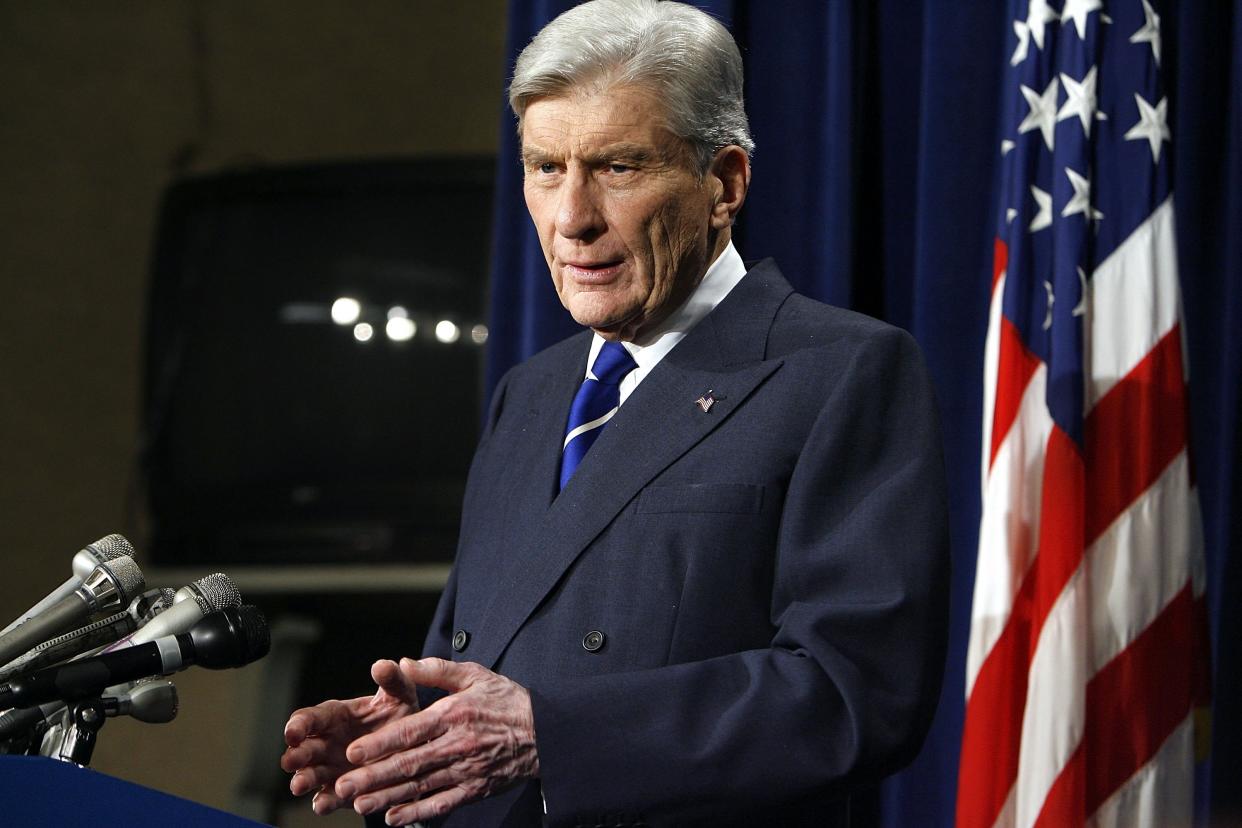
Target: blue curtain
878 141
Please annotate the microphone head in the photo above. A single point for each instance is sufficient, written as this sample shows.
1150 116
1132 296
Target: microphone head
110 547
152 700
231 637
257 634
127 577
112 584
214 592
106 548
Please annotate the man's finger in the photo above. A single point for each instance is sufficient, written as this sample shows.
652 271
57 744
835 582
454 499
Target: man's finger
314 777
312 751
435 805
400 767
440 673
308 720
407 732
325 802
386 674
375 800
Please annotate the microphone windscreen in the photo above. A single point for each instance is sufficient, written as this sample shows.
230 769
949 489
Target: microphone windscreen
127 577
256 637
215 592
110 547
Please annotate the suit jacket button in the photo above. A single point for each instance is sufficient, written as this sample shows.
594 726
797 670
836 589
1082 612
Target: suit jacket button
593 641
460 639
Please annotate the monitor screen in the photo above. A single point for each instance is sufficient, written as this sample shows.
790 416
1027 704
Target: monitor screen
314 362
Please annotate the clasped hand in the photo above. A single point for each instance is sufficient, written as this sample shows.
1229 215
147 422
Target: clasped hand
381 751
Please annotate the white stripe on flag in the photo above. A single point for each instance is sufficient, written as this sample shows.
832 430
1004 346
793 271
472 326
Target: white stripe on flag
991 363
1052 724
1132 302
1140 563
1010 522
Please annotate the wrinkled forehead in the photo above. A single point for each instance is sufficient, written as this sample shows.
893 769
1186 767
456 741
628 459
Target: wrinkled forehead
595 116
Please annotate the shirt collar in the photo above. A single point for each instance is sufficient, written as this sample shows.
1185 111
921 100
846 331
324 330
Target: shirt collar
720 278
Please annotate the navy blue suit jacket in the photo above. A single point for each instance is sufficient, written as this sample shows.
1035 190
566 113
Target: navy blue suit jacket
768 578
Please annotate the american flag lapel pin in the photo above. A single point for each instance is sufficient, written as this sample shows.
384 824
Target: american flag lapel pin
706 401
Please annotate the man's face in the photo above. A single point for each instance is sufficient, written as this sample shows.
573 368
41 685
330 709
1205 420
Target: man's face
624 219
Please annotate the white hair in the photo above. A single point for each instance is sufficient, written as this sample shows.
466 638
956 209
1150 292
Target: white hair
682 54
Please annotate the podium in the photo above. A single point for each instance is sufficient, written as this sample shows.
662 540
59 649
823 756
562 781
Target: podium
36 791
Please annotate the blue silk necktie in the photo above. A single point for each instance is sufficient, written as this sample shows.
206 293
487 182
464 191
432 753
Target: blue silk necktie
597 400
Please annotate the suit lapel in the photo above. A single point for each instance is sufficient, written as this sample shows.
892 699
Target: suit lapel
547 408
660 421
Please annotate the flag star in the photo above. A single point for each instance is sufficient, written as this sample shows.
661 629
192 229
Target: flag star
1007 146
1077 10
1023 32
1080 202
1150 33
1010 215
1080 100
1044 217
1052 300
1043 112
1152 125
1038 14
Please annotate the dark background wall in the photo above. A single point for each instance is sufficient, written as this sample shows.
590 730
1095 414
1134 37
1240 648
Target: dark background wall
101 105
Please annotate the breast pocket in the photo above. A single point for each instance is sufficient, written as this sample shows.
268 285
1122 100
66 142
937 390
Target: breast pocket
707 498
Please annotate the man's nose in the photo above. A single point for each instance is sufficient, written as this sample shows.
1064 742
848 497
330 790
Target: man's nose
578 213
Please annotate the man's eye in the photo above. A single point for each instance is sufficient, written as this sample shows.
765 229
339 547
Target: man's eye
619 168
547 167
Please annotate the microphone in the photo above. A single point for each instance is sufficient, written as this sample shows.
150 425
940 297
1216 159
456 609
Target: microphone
98 634
152 700
226 638
109 585
101 551
190 604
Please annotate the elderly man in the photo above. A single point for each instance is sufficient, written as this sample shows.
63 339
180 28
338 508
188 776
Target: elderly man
731 609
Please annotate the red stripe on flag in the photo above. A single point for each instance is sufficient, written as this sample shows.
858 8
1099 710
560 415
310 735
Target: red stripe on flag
1063 806
1014 369
1134 432
992 730
1000 260
1135 701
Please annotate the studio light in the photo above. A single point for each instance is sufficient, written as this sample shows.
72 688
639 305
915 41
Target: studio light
447 332
345 311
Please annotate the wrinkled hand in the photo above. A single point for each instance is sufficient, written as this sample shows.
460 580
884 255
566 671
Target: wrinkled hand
318 736
470 744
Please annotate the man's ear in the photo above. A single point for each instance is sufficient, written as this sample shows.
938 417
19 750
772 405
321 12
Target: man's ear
730 174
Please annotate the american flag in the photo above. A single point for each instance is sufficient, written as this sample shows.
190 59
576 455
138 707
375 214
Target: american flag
1087 663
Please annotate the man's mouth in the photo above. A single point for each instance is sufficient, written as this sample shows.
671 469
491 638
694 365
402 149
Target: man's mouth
593 272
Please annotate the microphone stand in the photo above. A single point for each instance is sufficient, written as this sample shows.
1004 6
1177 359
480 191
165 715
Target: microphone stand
78 735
